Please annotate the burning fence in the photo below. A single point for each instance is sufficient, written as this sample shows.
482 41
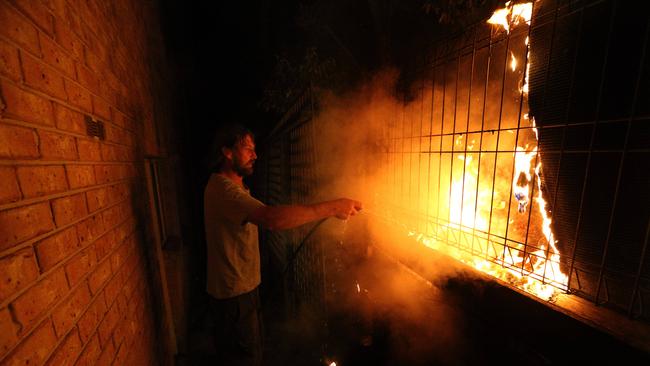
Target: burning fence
522 149
471 177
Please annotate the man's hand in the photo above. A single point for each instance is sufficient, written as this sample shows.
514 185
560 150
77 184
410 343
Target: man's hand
343 208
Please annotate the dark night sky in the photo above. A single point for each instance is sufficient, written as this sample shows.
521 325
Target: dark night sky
225 51
218 49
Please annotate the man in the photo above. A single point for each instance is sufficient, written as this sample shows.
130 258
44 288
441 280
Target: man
232 216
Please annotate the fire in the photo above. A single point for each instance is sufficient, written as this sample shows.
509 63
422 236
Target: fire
505 219
511 15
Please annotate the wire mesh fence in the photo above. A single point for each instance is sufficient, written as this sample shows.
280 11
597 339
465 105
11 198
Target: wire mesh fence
524 152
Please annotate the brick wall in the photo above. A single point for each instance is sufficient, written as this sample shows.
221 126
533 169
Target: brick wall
74 284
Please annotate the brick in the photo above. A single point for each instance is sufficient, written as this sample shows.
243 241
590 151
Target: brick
130 140
124 104
91 318
87 78
110 173
89 149
109 153
120 357
112 290
90 353
107 325
9 190
18 142
74 20
99 277
42 77
90 229
80 175
114 133
120 191
108 93
79 266
121 300
98 198
104 245
121 328
22 223
38 13
122 231
68 40
34 349
57 247
39 298
78 96
57 146
66 315
8 331
41 180
69 120
107 356
113 81
68 350
17 270
103 173
101 108
137 355
16 28
114 215
56 56
9 61
126 154
119 118
69 209
94 62
26 106
119 256
57 7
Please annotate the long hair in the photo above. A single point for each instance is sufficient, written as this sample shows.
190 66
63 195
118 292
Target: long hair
227 136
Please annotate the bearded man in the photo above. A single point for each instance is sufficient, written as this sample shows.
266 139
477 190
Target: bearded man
232 217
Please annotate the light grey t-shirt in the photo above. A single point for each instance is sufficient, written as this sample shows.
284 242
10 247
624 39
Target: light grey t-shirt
232 244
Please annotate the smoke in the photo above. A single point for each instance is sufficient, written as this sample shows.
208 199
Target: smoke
449 164
390 309
437 161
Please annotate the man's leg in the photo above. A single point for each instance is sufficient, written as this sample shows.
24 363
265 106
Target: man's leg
238 333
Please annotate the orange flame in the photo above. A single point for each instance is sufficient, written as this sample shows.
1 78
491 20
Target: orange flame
513 61
482 211
511 15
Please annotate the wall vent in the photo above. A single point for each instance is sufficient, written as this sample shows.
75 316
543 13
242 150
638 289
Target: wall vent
95 128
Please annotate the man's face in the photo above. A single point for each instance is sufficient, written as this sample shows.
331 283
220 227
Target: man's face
243 157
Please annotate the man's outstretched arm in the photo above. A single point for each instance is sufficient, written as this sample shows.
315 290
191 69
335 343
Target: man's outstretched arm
287 217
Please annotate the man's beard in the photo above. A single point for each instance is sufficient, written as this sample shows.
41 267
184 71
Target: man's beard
241 169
